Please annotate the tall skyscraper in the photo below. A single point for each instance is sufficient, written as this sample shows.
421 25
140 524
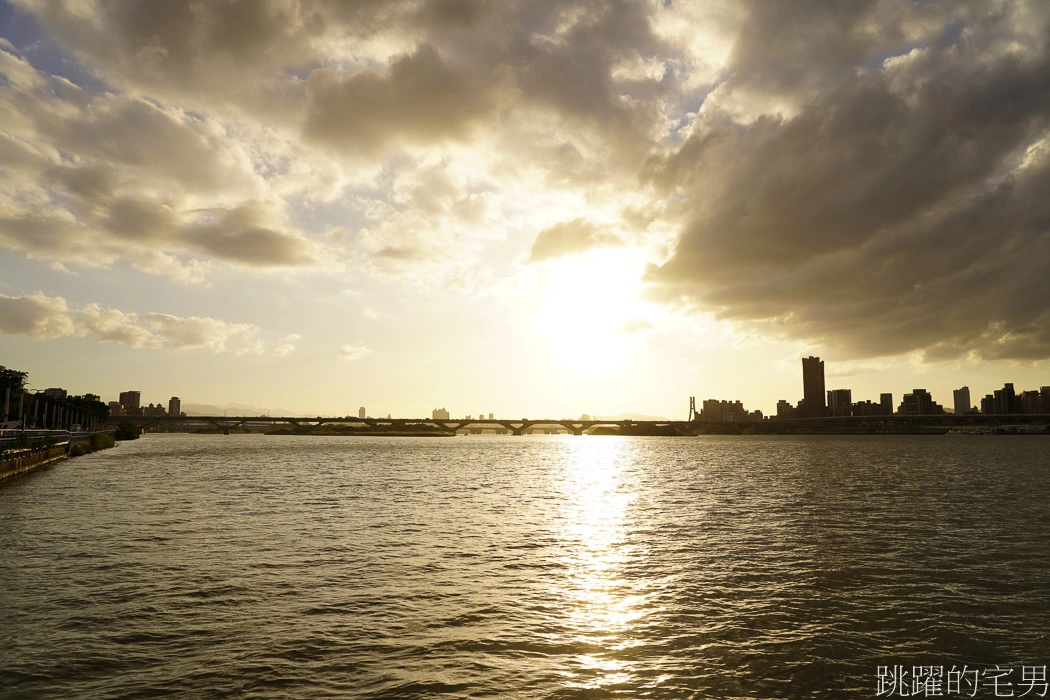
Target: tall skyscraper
962 400
886 401
174 406
361 412
813 388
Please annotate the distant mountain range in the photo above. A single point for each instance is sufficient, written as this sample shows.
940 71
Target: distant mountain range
629 416
233 409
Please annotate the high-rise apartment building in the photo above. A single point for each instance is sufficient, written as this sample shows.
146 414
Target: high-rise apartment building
174 406
840 402
920 403
361 413
886 401
129 403
1005 400
439 414
813 388
962 400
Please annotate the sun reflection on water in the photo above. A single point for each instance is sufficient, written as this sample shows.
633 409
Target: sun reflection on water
602 604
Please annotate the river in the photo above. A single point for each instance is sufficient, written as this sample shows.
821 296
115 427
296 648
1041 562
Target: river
525 567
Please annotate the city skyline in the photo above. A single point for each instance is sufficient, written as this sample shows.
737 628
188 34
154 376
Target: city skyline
832 403
535 208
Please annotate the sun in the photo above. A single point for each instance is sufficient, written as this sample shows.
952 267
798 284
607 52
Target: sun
589 304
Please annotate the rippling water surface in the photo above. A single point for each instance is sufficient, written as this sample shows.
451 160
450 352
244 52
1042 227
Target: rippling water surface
521 567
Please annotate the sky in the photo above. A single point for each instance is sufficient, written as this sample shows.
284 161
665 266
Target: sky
529 208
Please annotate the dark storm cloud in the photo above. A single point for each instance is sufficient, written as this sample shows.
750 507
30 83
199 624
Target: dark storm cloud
421 99
570 237
900 208
459 59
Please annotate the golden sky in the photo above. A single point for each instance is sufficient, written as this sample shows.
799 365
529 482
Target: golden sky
524 207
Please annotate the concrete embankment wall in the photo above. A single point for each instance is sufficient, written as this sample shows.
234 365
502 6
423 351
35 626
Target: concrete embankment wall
23 462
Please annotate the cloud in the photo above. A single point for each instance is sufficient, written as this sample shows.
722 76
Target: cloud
40 316
36 316
570 237
865 176
284 349
421 99
634 325
100 177
894 208
353 352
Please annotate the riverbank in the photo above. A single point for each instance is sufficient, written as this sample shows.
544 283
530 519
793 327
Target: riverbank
32 456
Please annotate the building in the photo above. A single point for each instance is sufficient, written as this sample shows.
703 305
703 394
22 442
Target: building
490 416
361 412
988 405
1030 402
114 408
153 411
920 403
174 406
886 401
813 388
962 400
1044 398
785 410
129 403
715 411
867 408
840 402
439 414
1005 400
55 394
92 398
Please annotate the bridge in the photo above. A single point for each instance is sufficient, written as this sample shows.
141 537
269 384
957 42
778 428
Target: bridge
515 427
578 427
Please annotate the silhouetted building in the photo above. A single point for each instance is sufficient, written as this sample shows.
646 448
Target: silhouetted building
813 388
886 401
1029 402
840 402
439 414
361 412
962 400
114 408
988 405
92 397
868 408
716 411
1005 400
55 394
785 410
174 406
920 403
153 411
129 403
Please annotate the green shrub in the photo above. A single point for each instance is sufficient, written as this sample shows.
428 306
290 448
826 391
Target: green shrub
102 441
128 431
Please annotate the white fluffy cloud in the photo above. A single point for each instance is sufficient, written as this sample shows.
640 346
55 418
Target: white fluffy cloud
353 352
41 316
